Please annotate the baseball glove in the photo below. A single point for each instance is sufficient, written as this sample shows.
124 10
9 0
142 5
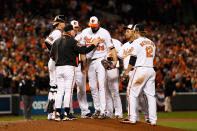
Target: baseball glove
124 79
107 64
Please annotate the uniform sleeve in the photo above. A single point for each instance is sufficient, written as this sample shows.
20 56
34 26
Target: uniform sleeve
53 37
120 54
117 45
133 49
108 40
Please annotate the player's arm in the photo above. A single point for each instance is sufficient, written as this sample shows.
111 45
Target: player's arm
131 64
53 51
84 49
112 48
114 55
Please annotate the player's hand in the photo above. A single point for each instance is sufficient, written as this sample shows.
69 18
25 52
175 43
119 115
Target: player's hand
114 63
95 41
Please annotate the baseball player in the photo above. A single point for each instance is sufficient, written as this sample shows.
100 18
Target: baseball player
64 52
124 54
80 78
143 77
59 24
112 88
96 72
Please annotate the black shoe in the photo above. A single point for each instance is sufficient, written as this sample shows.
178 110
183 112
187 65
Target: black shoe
96 114
148 121
127 121
72 117
87 116
102 116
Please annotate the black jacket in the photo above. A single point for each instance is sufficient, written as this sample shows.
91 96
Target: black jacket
27 87
65 50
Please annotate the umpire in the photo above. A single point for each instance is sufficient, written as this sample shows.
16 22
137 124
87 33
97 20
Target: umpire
27 91
64 53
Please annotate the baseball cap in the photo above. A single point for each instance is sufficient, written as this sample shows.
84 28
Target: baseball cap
75 24
68 27
58 19
93 21
130 26
139 27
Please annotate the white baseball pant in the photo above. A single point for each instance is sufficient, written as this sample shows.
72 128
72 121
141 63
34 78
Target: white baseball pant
112 93
65 81
52 74
97 73
81 91
143 78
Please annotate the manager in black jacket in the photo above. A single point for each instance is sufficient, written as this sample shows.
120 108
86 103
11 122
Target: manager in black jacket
64 52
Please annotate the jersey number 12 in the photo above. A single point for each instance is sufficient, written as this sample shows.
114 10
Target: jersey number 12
149 51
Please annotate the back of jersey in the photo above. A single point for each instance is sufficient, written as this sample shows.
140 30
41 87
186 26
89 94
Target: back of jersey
144 49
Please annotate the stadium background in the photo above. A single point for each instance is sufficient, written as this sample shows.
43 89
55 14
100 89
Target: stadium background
24 24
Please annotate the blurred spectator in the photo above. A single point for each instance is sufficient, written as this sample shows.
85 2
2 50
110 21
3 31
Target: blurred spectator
23 30
169 88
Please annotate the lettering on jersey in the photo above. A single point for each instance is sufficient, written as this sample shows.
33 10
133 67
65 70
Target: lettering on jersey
88 40
127 52
100 48
146 43
101 40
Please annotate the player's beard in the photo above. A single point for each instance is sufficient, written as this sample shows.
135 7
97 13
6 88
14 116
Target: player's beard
94 30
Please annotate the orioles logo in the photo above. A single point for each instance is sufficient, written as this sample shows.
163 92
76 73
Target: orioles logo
88 40
93 21
75 23
127 52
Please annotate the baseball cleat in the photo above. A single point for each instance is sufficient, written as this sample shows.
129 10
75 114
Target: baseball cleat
118 117
57 118
87 116
102 116
96 114
72 117
127 121
66 118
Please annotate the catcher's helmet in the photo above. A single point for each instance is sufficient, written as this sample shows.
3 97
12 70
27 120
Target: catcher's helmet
58 19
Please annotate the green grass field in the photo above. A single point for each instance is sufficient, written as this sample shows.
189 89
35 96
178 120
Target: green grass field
183 119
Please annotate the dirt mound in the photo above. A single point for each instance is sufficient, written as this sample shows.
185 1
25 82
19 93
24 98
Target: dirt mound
79 125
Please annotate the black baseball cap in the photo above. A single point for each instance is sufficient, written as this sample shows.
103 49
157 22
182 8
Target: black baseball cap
68 27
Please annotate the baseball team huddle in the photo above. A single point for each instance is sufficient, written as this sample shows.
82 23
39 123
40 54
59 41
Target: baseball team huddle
75 54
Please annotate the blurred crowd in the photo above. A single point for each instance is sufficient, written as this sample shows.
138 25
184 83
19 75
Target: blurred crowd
25 24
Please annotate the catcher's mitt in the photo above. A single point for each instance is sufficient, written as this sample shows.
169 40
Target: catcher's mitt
124 79
107 64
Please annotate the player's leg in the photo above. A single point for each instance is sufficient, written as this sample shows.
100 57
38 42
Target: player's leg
52 74
109 102
69 81
113 84
81 92
53 85
149 91
137 82
93 87
60 91
101 75
143 103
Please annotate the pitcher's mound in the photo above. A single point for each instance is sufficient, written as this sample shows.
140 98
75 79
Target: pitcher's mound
79 125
